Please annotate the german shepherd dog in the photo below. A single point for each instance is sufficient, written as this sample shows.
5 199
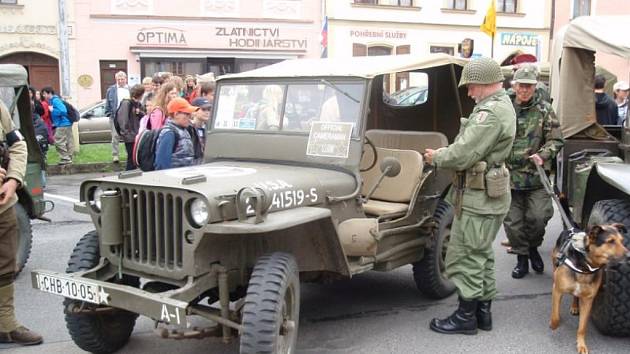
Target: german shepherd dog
579 272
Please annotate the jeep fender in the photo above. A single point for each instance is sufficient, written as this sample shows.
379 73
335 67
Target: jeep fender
606 181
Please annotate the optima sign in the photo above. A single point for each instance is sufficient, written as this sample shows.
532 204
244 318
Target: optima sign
160 36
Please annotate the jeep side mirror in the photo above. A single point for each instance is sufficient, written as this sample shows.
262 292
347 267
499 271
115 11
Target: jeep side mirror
390 166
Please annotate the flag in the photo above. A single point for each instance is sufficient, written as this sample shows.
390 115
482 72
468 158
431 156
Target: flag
489 25
324 38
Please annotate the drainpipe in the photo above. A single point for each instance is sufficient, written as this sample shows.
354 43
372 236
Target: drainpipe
64 51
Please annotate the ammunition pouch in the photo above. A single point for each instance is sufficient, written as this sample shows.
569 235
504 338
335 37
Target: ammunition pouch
475 176
497 181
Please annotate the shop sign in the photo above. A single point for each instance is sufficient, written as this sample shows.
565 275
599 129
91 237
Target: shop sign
28 29
161 36
381 34
259 38
519 39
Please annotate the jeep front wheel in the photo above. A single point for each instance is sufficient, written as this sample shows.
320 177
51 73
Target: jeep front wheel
611 308
429 271
105 332
25 238
272 306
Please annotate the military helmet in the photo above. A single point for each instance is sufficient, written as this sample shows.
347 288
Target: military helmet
481 71
526 75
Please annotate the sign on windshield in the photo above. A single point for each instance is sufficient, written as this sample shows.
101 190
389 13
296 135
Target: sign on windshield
287 107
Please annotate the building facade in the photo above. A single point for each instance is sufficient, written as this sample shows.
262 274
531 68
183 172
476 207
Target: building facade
29 36
419 27
142 37
566 10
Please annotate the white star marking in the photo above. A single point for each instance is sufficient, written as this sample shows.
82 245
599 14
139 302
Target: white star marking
103 296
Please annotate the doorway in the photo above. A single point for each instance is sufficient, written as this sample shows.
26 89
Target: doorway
43 70
108 69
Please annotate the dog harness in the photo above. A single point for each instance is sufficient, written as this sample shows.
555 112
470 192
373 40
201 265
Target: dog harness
573 254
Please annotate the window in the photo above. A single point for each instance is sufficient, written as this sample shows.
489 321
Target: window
293 107
12 2
509 6
457 4
581 8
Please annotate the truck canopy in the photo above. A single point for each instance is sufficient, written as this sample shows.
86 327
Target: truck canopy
362 67
573 66
12 75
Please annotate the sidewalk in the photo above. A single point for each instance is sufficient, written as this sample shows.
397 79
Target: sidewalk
54 170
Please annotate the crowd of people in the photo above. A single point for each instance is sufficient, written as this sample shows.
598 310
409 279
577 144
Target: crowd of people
179 108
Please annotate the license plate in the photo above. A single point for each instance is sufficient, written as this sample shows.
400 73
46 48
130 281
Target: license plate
69 288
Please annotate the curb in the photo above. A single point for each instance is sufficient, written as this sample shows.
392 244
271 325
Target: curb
55 170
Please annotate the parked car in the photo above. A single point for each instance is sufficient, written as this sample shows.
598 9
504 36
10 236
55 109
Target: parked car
410 96
94 124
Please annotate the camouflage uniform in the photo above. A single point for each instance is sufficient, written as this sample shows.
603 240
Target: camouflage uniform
537 132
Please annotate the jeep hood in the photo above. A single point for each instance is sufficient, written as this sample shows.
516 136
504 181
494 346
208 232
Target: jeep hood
289 186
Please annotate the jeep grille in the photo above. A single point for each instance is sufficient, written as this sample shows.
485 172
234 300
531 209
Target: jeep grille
153 228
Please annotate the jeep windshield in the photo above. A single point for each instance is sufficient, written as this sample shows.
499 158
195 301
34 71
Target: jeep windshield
291 107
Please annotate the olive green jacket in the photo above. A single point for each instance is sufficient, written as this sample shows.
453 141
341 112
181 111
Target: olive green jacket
487 135
17 154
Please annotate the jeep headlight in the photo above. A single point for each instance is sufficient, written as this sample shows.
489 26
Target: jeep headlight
94 198
198 212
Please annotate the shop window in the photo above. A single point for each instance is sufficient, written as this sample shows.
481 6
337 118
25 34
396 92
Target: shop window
581 8
402 3
177 67
507 6
379 50
446 49
457 4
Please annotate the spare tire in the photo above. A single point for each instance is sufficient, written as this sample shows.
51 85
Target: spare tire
611 308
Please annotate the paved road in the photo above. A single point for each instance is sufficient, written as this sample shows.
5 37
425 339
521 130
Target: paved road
372 313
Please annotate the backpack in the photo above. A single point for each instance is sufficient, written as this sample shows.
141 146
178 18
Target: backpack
73 114
144 148
116 122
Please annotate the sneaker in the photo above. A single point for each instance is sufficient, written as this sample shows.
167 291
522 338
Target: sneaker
22 336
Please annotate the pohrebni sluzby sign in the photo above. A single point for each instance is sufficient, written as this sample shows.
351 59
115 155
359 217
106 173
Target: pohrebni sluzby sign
329 139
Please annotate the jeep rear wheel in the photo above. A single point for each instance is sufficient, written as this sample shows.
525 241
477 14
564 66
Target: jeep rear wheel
25 238
272 306
96 333
611 308
429 272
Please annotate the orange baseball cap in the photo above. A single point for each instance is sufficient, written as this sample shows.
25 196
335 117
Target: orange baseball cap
180 105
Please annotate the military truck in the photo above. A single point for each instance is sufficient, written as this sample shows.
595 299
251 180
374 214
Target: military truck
308 176
593 172
32 205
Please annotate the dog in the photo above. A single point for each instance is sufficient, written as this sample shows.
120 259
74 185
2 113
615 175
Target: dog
577 270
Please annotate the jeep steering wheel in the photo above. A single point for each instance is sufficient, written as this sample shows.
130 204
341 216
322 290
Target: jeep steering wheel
369 142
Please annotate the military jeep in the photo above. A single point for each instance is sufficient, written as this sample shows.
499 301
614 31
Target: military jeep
308 175
14 94
593 171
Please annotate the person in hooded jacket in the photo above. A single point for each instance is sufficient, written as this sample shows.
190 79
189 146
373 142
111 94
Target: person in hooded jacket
128 118
605 106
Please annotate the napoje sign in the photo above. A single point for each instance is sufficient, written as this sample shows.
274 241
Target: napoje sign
329 139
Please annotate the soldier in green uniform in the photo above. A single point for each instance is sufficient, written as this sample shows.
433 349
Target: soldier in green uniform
11 176
479 194
538 140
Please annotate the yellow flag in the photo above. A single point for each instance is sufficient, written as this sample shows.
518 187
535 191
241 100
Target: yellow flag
489 25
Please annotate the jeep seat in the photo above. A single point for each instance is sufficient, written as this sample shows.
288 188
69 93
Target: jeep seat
394 194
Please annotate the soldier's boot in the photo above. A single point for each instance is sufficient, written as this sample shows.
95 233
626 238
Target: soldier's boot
484 316
462 321
522 267
537 263
10 329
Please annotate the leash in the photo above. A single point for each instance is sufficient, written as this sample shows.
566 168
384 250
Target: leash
575 241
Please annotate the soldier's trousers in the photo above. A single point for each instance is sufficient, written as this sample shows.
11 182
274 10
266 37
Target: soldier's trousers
470 257
8 249
527 218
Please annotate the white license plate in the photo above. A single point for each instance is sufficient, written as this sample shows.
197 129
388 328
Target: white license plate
69 288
